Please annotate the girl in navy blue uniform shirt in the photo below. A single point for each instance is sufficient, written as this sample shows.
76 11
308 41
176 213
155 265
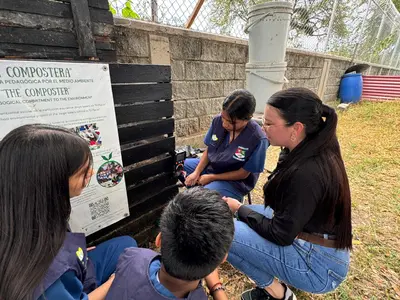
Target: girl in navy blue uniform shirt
236 150
42 167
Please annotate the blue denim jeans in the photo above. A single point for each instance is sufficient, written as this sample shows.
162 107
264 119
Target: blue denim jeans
302 265
225 188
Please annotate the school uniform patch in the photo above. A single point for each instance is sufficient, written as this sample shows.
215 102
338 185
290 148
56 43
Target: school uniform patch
214 138
240 153
80 254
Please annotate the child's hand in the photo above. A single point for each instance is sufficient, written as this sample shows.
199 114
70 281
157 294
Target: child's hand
233 204
191 180
205 179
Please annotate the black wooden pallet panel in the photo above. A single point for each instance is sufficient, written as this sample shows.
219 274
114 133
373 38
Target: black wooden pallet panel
107 55
134 225
126 73
29 36
41 7
145 130
103 4
144 112
37 37
145 151
101 16
36 51
147 236
126 226
101 31
148 188
165 195
56 9
48 52
47 29
125 94
165 165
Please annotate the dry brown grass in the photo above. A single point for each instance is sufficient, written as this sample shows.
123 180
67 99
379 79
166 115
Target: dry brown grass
370 139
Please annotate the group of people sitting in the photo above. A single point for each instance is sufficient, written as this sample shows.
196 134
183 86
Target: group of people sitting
301 237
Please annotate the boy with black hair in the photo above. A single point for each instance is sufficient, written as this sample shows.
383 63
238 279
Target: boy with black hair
196 234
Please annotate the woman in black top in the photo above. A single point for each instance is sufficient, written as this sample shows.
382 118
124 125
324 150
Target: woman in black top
303 234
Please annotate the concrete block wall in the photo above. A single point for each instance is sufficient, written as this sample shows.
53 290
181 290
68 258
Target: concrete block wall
206 68
303 70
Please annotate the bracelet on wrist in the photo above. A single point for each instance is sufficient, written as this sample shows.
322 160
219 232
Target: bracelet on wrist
217 287
220 287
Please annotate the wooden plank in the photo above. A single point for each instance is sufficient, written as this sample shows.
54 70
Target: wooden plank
145 130
37 37
34 37
147 236
104 45
147 189
103 4
55 9
124 94
127 226
35 51
49 52
101 16
107 55
28 20
135 176
128 73
194 14
160 199
144 112
142 152
80 12
41 7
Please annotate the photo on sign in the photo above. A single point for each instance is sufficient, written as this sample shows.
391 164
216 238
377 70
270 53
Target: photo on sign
110 173
91 134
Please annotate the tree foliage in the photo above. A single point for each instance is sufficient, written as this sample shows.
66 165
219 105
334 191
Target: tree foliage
126 11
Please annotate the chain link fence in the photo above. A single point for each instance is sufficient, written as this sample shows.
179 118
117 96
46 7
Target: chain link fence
367 30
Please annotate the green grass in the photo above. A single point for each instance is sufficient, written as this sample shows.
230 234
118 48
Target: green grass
369 134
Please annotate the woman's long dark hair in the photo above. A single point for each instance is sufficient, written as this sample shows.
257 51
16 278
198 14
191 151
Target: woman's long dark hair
36 162
321 144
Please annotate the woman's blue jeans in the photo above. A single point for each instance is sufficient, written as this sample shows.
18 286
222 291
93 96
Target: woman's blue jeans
302 265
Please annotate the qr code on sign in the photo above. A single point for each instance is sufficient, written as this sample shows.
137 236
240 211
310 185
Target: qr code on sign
99 208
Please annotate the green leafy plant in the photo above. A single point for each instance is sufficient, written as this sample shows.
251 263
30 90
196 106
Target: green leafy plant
112 9
128 12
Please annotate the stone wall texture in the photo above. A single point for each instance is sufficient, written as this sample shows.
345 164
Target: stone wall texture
206 68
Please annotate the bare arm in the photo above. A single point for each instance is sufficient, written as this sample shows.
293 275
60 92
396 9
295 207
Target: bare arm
203 162
234 175
212 281
101 292
194 177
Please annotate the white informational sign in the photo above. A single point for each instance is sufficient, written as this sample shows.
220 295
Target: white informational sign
76 96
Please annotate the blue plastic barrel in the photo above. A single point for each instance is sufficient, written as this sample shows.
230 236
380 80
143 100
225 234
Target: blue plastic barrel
350 90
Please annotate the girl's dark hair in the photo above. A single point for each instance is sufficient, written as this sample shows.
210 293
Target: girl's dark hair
240 105
321 144
36 162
